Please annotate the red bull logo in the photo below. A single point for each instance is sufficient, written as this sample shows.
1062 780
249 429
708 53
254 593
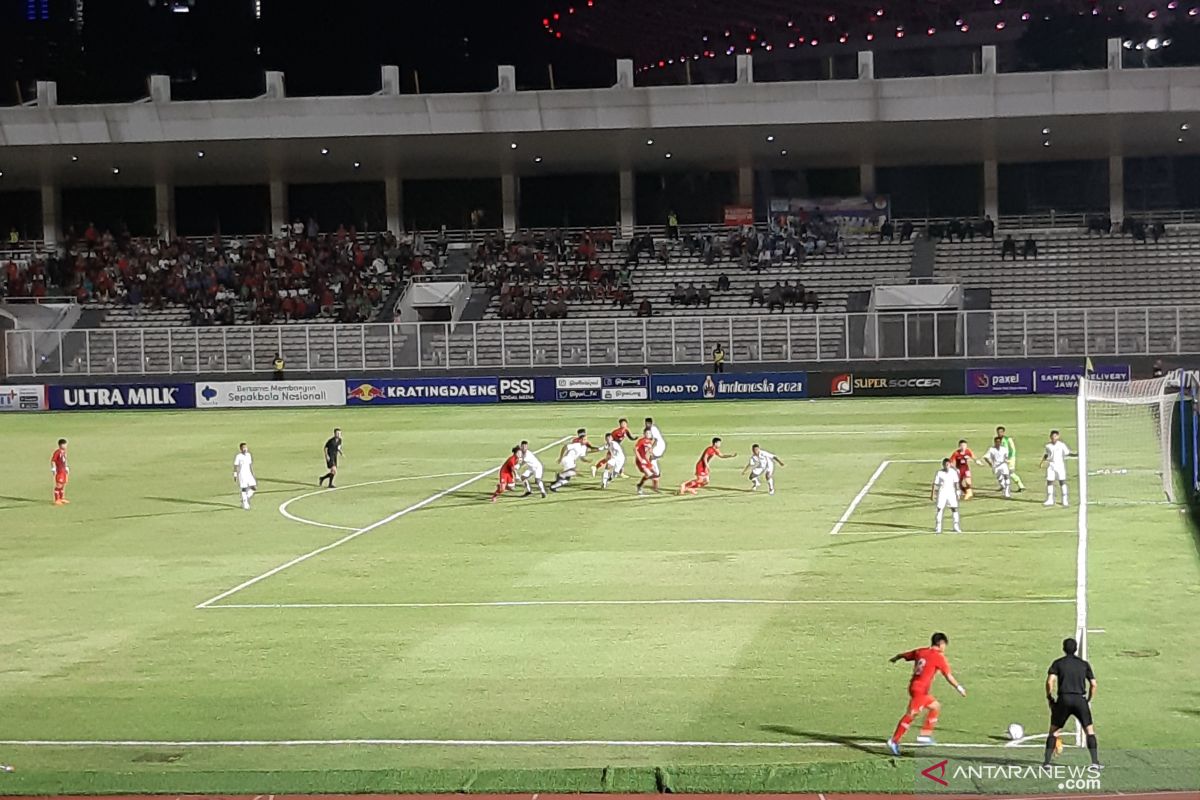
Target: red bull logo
364 393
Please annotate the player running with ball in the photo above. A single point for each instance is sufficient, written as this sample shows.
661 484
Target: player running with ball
927 663
702 475
613 461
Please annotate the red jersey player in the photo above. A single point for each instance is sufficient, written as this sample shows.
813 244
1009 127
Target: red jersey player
508 474
927 663
58 466
619 434
647 464
961 459
701 479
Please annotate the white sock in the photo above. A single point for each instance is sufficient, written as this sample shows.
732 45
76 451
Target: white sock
770 484
938 520
1064 494
954 512
246 498
1050 492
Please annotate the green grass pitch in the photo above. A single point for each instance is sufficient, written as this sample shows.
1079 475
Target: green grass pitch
513 646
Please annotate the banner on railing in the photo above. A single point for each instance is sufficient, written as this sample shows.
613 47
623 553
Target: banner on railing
23 397
737 216
622 387
526 390
908 383
1065 380
421 391
270 394
1000 380
743 386
122 395
853 215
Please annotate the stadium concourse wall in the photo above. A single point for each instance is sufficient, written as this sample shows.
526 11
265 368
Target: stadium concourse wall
1006 380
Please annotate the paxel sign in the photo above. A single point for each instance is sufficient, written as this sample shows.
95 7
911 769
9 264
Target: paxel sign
744 386
421 391
1000 380
158 395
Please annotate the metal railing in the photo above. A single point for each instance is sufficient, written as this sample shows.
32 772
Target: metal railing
680 341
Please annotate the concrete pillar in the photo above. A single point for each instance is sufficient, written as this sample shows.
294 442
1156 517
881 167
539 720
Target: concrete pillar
987 60
866 65
991 189
624 73
1116 188
275 85
51 215
389 80
1115 60
164 210
628 222
393 200
160 88
745 68
506 78
510 200
47 94
866 178
279 206
745 186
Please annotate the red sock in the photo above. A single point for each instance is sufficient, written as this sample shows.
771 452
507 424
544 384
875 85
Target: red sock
902 728
931 720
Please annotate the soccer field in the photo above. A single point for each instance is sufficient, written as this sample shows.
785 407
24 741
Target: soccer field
400 632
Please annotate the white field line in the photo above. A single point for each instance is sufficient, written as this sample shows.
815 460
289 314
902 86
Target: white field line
360 531
858 498
283 507
474 743
817 432
915 531
671 602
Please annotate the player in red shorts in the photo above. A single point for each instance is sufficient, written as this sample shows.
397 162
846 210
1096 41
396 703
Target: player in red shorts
508 474
927 663
961 459
58 466
701 479
619 434
647 464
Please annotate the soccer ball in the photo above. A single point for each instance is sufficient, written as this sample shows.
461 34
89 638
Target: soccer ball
1015 731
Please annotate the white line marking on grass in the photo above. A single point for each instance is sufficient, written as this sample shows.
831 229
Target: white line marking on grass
360 531
815 432
283 507
728 601
472 743
915 531
858 498
1096 630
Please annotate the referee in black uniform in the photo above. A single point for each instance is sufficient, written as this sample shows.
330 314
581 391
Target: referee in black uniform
333 451
1076 687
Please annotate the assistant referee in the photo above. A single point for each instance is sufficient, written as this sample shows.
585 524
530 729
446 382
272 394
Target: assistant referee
1076 687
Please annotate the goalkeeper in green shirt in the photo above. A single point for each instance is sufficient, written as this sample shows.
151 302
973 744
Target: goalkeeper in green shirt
1008 444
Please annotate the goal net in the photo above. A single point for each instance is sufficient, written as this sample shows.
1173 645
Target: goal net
1125 440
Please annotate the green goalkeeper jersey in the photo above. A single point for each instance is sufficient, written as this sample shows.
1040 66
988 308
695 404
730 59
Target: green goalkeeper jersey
1009 445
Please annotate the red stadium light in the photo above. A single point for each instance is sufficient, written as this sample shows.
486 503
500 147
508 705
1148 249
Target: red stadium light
556 16
870 37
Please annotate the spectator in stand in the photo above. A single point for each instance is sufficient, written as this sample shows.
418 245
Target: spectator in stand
790 295
1029 248
887 231
1158 230
704 297
692 297
775 298
719 358
988 226
672 225
811 301
906 230
757 295
14 236
679 296
723 283
1008 248
955 228
644 308
1099 224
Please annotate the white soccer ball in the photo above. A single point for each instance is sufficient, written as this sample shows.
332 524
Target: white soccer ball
1015 731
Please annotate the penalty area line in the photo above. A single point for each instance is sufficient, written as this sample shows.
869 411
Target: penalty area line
481 743
858 498
361 531
668 602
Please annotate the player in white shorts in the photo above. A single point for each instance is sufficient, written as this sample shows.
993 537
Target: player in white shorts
762 465
1055 462
660 444
997 457
569 457
945 492
531 467
243 474
614 460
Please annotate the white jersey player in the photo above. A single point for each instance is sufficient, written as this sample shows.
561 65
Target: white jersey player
614 460
1055 462
243 474
762 465
660 443
531 467
945 492
569 457
997 457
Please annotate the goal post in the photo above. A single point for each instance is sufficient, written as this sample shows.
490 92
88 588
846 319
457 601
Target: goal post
1124 454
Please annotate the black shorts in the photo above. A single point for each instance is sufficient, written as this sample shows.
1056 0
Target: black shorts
330 461
1070 705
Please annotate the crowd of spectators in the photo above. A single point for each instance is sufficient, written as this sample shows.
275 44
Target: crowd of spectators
1141 230
228 281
